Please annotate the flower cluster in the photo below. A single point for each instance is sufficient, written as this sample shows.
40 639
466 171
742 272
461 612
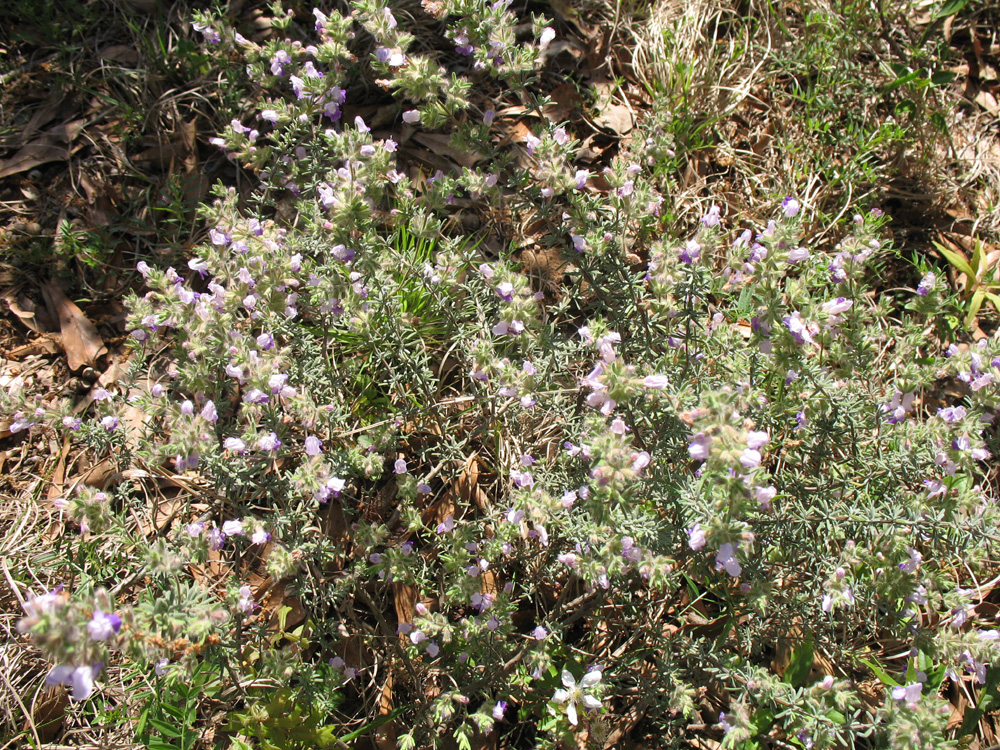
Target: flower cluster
664 452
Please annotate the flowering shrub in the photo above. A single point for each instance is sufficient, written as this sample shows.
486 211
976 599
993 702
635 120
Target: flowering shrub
522 509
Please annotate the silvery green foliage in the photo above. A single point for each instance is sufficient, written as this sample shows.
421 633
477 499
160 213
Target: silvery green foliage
681 462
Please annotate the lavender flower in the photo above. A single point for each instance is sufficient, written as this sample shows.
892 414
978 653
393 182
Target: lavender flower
696 537
269 442
210 35
909 694
797 255
764 496
656 381
102 626
260 536
246 603
80 678
690 253
279 62
699 446
209 412
313 446
926 284
726 560
234 445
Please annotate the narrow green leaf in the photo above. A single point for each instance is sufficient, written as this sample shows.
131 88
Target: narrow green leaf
972 715
956 260
911 671
950 8
974 305
164 728
902 81
977 257
373 725
939 121
762 720
941 77
800 663
994 298
173 711
882 675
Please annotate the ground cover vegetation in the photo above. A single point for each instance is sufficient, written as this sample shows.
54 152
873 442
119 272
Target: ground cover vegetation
503 374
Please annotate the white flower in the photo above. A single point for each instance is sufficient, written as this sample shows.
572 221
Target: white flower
572 693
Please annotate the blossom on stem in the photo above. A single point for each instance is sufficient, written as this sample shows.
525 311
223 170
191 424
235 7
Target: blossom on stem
909 694
81 679
726 560
573 693
790 207
102 626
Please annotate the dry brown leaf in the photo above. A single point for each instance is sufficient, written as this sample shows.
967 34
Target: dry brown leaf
568 13
80 339
165 509
25 310
114 372
162 155
435 8
615 117
958 713
565 100
47 343
56 144
514 110
97 476
46 113
570 46
987 101
215 570
57 483
188 133
468 480
47 714
441 144
334 521
120 53
385 735
277 597
405 599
